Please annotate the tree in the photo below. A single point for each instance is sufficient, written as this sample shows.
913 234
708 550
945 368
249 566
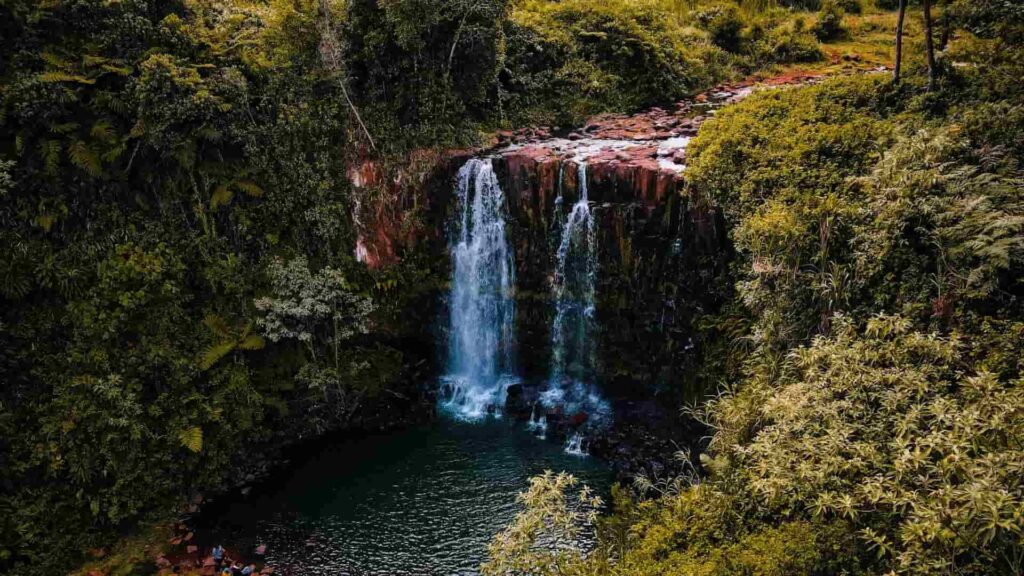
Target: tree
313 308
544 538
899 42
929 44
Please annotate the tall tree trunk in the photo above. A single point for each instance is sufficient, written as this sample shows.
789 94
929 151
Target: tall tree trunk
899 42
929 45
947 26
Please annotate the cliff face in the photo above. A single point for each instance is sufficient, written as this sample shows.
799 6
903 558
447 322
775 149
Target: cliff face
661 253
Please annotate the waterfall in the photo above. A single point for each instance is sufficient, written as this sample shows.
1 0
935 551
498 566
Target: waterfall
575 445
573 351
538 423
482 310
572 347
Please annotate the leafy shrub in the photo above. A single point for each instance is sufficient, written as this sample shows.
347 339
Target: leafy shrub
782 45
829 24
850 6
888 433
569 59
544 537
425 71
723 23
164 153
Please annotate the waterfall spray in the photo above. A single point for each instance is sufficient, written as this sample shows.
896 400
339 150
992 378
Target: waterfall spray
482 310
573 352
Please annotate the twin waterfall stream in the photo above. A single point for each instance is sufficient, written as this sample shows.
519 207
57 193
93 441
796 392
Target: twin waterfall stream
482 344
482 318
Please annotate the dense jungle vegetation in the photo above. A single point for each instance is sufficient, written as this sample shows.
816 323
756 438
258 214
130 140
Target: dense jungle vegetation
177 288
871 414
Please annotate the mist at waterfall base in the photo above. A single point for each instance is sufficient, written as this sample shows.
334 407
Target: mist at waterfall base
424 501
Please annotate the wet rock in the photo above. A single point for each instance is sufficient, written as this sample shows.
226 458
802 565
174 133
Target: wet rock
514 391
578 419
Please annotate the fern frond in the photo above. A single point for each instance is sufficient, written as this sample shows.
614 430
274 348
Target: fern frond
114 153
103 130
251 342
192 438
91 60
58 76
119 70
54 60
222 194
249 187
214 353
64 127
218 325
50 149
85 158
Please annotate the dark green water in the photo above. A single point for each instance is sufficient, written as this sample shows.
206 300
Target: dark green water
424 501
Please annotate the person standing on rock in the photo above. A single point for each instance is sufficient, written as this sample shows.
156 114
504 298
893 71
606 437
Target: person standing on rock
218 558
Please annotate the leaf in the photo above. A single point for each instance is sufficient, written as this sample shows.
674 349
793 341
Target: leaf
138 129
119 70
218 325
54 60
249 187
46 220
192 438
57 76
84 157
214 353
114 153
50 150
252 342
222 194
103 130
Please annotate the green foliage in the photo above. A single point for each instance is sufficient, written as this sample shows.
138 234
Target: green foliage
723 23
156 157
425 70
871 422
567 60
889 434
785 43
544 538
829 24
